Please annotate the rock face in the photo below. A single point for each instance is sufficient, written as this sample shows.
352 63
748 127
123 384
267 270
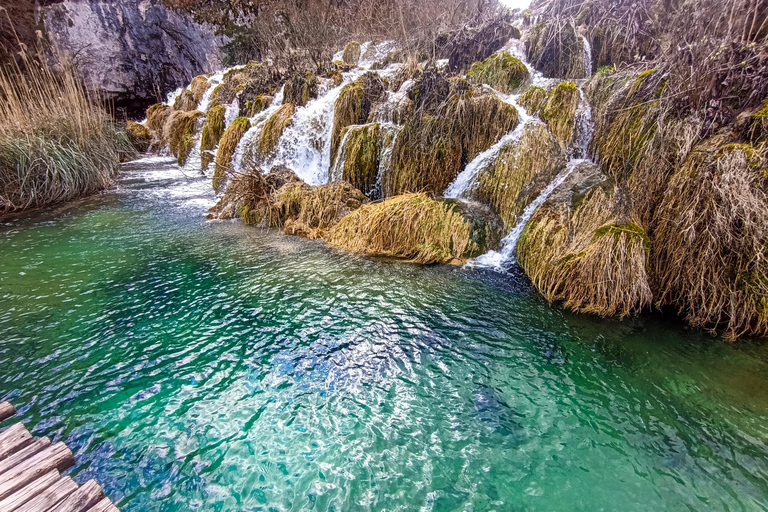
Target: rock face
133 51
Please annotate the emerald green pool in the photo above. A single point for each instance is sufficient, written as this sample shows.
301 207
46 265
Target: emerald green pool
198 365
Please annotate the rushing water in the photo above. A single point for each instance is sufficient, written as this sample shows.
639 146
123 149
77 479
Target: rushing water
197 365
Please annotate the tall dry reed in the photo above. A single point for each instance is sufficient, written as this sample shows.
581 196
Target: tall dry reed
57 141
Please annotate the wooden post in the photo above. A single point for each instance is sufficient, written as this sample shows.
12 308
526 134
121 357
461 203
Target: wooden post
6 410
13 461
82 499
13 439
50 497
57 456
103 506
29 491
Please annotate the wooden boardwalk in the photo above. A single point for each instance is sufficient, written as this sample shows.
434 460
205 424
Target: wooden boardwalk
30 475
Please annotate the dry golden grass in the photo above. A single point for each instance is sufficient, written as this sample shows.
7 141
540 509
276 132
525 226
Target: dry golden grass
711 242
559 111
227 147
179 132
273 129
353 106
198 87
56 141
586 260
411 226
213 128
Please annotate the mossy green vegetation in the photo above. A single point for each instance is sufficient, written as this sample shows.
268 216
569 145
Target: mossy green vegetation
300 89
351 54
559 111
227 147
139 136
361 165
411 226
273 129
213 128
256 105
532 99
179 131
198 87
353 106
501 71
529 165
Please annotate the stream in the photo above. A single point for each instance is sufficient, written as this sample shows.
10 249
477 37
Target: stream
206 365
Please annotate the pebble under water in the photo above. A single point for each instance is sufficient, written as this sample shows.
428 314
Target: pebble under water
198 365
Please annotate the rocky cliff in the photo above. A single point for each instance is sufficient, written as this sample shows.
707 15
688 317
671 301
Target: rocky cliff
133 51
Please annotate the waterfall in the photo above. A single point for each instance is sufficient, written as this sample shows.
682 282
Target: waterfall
232 111
337 172
587 57
506 254
252 135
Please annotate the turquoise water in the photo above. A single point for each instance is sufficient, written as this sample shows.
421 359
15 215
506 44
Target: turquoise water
195 365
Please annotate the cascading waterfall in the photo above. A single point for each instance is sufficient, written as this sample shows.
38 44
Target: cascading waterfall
587 56
251 137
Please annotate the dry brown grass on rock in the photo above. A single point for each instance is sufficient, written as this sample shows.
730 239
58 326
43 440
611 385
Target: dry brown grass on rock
227 147
559 111
185 101
533 99
522 170
411 226
711 242
273 129
139 136
179 131
584 258
213 128
351 54
198 87
300 89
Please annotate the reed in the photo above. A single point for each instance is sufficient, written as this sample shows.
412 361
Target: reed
57 141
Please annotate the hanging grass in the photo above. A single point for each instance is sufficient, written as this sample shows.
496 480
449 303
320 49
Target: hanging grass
273 129
412 226
256 105
185 101
586 260
711 244
300 89
559 111
213 128
198 87
139 136
351 54
361 165
521 171
56 142
353 106
532 99
501 71
179 131
227 147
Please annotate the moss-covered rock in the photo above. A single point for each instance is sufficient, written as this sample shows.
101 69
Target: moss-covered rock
185 101
198 87
227 147
411 226
426 158
353 106
361 158
559 111
273 129
252 107
521 171
224 94
300 89
213 129
336 77
139 136
501 71
580 254
532 99
179 131
557 51
351 54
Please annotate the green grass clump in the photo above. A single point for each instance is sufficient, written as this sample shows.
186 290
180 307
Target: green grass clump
501 71
273 129
559 111
361 165
227 147
213 128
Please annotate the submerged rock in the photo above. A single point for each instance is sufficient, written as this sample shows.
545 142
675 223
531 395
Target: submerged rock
417 228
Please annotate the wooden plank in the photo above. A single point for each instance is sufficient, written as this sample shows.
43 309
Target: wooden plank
29 491
57 456
104 506
6 410
81 500
48 499
13 439
16 459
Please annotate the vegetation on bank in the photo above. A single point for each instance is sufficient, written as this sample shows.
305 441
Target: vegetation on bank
57 142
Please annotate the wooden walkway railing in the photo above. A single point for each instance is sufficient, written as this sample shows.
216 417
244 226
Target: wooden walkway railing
30 475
